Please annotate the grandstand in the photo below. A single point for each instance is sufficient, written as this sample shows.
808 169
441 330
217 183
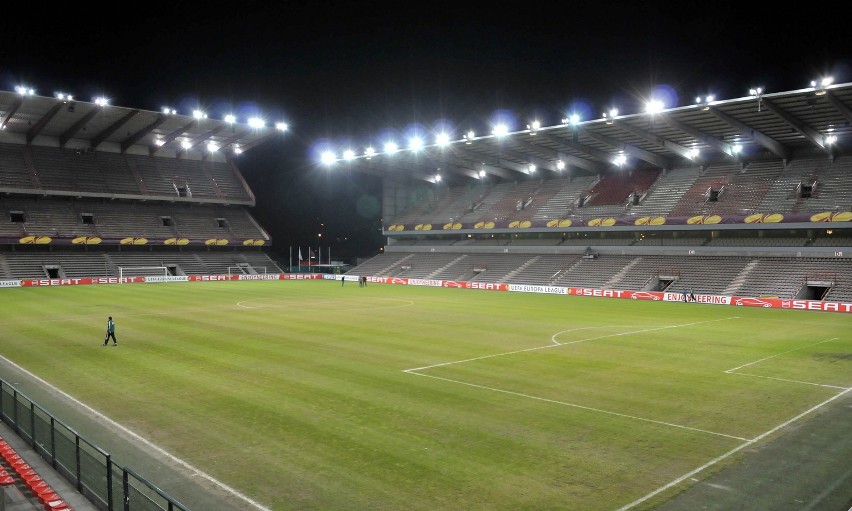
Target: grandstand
88 188
748 195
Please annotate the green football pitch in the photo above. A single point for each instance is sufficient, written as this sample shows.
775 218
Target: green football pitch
310 395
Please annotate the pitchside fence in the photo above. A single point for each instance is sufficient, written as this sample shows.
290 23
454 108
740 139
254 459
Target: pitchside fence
96 476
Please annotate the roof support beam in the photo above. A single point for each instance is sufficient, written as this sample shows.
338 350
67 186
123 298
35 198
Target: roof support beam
586 165
70 132
37 127
567 159
477 162
171 136
678 149
103 135
704 138
12 109
772 145
811 134
636 152
132 139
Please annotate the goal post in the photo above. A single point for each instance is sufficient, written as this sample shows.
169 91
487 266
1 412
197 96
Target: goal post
136 271
245 270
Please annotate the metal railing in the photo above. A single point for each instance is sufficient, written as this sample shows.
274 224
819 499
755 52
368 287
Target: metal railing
89 468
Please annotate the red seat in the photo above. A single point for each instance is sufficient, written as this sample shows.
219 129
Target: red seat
38 487
6 481
56 505
47 497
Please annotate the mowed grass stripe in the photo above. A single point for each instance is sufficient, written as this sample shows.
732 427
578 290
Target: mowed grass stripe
295 392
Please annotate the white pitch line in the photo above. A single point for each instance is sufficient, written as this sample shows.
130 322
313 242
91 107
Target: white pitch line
779 354
729 453
791 381
573 405
567 343
150 444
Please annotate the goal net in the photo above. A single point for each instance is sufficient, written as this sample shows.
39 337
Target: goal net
246 270
143 271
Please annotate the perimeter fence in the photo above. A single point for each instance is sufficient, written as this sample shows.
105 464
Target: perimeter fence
108 485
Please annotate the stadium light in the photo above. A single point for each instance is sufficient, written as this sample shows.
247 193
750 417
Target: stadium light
481 174
101 101
533 127
468 138
442 139
282 126
169 111
230 118
64 97
212 147
620 159
25 91
198 114
820 85
186 144
348 154
830 139
437 178
737 148
500 130
159 142
369 152
391 147
704 102
610 116
531 168
415 144
560 165
573 120
693 153
238 149
256 122
654 106
328 157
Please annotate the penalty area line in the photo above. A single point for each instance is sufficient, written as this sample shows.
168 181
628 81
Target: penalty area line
574 405
139 438
730 453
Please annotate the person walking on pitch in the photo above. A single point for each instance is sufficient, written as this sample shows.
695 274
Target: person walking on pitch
110 332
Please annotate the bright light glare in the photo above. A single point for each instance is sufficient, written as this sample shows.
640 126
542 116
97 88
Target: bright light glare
230 118
736 148
560 165
437 178
391 147
830 139
24 91
481 174
348 154
185 144
238 150
159 142
256 122
531 168
64 97
620 160
198 114
415 144
212 147
101 101
369 152
281 126
328 157
442 139
693 153
654 106
500 130
169 111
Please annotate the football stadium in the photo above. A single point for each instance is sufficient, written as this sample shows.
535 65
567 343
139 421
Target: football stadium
640 311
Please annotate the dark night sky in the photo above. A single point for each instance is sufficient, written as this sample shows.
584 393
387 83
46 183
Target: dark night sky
341 71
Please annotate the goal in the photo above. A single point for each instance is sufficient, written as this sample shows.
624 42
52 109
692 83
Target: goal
136 271
244 270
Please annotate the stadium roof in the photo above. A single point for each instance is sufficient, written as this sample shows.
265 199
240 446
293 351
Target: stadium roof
62 122
781 126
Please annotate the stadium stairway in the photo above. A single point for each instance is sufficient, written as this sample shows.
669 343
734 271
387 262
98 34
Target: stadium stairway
28 482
